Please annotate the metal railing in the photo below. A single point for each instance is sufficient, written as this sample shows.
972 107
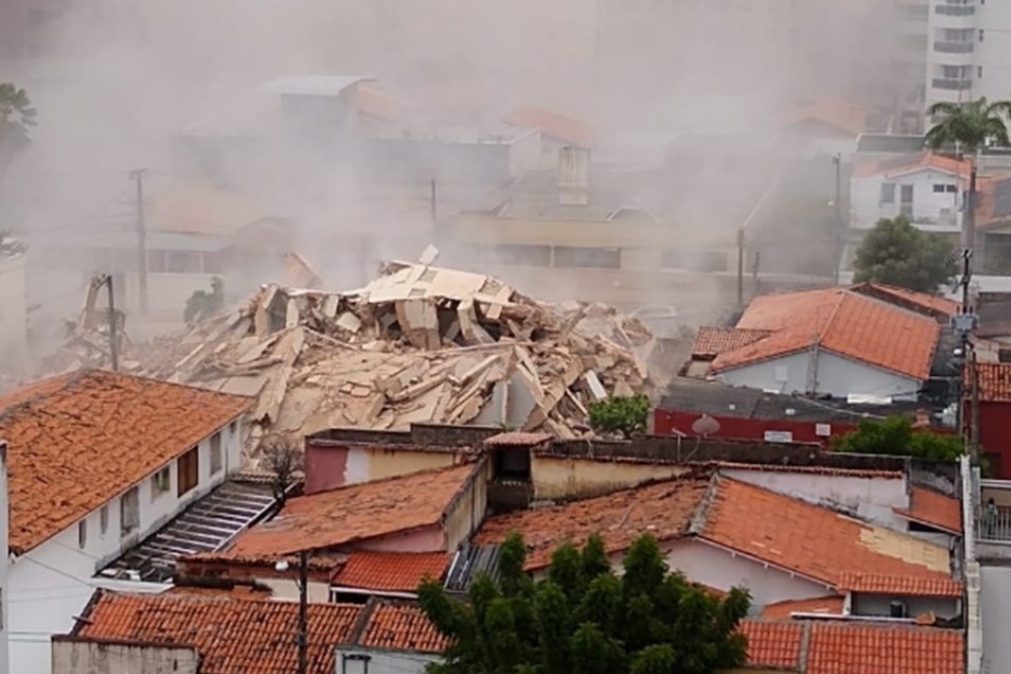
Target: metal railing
951 84
955 10
993 525
953 47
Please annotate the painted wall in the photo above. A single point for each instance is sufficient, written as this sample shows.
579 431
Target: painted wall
13 313
996 585
994 420
286 589
90 657
670 422
467 513
928 205
350 661
329 467
880 605
51 583
993 52
721 569
425 539
834 375
556 478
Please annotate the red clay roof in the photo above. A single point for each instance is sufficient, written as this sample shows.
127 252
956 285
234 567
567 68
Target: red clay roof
396 625
664 509
773 644
994 381
232 636
933 305
350 514
553 125
113 429
929 507
841 648
814 541
782 610
843 322
391 571
712 341
844 116
909 586
915 162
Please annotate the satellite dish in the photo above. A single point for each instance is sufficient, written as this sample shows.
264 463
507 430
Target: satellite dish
705 425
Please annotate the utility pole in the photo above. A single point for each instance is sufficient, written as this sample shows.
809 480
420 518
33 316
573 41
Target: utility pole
303 609
740 267
964 323
432 204
837 160
106 280
969 214
138 176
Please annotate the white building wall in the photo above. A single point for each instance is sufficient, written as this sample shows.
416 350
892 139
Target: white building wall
91 657
870 498
13 313
993 54
359 661
51 584
782 375
721 569
996 587
928 206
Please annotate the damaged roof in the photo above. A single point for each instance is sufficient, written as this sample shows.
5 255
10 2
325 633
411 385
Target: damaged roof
113 429
390 571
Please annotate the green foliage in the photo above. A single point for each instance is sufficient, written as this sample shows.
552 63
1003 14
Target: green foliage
896 436
584 618
965 127
17 116
201 305
618 414
896 253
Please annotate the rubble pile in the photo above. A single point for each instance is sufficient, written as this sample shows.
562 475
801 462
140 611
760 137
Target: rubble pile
418 344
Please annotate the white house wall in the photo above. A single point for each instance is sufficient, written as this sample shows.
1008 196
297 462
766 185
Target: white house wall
781 375
867 208
870 498
996 587
382 662
52 582
719 568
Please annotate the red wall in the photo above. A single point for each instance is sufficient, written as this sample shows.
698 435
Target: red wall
666 422
995 437
325 467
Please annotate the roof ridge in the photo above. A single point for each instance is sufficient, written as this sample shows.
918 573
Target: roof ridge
389 478
804 647
698 523
362 621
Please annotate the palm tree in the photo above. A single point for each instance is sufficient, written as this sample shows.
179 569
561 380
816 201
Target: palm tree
16 116
966 127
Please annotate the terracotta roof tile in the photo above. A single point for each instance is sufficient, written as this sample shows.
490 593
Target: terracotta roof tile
849 324
933 305
390 571
664 509
374 103
232 636
773 644
782 610
712 341
814 470
349 514
813 541
907 164
994 381
553 125
517 439
838 648
113 428
910 586
401 626
929 507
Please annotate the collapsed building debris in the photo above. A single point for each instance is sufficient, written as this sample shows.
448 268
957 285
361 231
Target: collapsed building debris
418 344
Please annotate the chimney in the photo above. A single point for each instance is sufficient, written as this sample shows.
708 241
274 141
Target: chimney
573 176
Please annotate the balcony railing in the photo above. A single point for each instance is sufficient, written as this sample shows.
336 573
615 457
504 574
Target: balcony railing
953 47
993 525
955 10
951 84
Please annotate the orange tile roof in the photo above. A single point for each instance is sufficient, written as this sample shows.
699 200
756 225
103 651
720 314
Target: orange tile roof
664 509
814 541
350 514
517 439
773 644
232 636
559 127
113 428
782 610
930 304
994 381
374 103
840 648
849 324
908 586
711 341
391 571
929 507
921 160
848 117
396 625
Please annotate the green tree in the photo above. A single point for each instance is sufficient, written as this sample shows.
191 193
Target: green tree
963 128
585 618
17 116
896 253
619 414
896 436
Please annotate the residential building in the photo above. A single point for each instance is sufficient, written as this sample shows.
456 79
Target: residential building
841 342
13 307
993 399
4 557
96 462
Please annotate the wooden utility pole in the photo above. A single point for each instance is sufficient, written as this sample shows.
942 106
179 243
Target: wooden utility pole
432 204
138 176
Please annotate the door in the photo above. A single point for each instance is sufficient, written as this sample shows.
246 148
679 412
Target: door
906 201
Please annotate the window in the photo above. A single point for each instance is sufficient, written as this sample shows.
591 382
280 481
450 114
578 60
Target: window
938 187
103 519
182 262
232 427
580 256
980 34
82 534
187 469
888 193
216 461
161 482
979 72
129 512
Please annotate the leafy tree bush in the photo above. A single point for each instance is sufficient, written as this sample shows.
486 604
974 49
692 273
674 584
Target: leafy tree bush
584 618
896 436
896 253
618 414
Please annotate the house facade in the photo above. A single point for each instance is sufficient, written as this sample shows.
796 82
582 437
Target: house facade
97 462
